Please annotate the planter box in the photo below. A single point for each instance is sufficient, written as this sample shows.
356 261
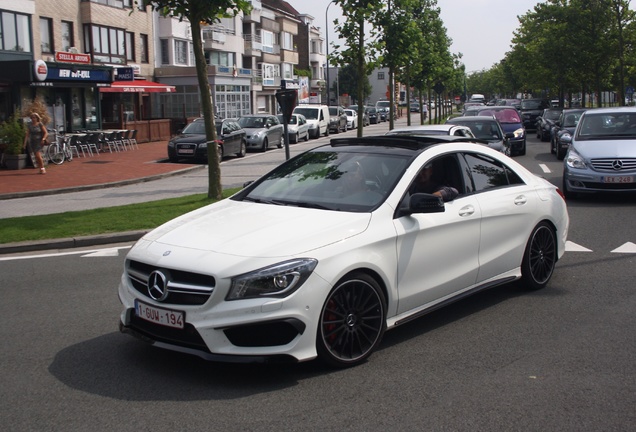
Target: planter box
15 162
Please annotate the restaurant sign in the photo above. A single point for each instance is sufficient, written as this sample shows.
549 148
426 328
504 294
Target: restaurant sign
69 57
76 73
124 74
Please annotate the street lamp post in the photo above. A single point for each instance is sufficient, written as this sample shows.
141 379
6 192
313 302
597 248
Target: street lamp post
327 33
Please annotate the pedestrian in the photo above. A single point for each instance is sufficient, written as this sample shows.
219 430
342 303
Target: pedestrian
35 139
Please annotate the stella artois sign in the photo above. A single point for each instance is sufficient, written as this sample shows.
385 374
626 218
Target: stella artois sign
69 57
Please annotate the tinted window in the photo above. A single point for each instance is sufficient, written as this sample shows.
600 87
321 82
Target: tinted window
488 173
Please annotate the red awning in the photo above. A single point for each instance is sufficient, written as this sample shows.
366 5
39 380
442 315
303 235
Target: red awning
138 86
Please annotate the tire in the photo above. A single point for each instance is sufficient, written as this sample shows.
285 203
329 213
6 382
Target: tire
540 257
281 143
295 140
55 153
326 133
522 152
307 137
243 150
560 153
265 145
352 321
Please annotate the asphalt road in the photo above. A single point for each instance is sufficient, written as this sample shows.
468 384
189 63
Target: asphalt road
558 359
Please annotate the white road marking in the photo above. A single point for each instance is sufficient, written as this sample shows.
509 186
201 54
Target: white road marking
545 168
628 247
573 247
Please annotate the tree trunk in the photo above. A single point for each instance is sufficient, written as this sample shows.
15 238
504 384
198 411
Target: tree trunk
215 190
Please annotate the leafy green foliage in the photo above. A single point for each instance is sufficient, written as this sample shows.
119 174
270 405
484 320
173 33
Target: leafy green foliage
12 134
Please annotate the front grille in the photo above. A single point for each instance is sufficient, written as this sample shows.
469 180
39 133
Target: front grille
184 288
614 164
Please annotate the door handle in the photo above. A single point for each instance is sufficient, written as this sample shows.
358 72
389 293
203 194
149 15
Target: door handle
466 211
521 200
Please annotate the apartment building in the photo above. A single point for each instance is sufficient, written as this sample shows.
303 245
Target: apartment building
104 63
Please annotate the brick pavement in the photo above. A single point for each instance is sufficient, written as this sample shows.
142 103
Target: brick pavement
103 169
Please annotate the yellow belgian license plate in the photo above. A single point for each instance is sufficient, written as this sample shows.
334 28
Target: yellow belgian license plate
166 317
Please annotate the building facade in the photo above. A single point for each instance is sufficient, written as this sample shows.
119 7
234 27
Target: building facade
108 63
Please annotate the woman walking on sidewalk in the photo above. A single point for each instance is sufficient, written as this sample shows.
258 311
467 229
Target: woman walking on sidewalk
35 138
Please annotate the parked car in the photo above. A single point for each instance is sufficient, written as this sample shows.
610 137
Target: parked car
602 153
531 109
546 121
374 115
510 121
352 118
486 128
383 113
317 117
337 120
415 107
468 105
263 131
191 143
297 128
436 129
244 279
365 119
563 130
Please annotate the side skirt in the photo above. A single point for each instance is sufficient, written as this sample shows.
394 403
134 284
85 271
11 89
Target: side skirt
434 307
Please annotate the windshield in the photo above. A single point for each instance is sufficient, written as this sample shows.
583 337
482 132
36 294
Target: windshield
350 113
528 104
600 126
504 116
252 122
486 130
570 120
309 113
329 180
196 127
552 114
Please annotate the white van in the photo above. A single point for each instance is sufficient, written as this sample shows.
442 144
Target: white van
317 118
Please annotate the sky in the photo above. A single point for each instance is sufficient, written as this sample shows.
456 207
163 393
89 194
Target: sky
481 30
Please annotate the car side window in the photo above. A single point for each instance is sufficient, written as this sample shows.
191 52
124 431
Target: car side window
487 173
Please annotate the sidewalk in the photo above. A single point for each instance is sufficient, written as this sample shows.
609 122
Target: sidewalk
102 170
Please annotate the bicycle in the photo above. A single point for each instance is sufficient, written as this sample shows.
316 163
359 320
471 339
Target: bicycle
59 150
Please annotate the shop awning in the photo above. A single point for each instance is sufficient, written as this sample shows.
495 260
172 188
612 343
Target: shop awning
137 86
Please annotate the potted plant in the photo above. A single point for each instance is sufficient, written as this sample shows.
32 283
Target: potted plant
12 133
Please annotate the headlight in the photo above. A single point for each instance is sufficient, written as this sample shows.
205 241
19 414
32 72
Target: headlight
279 280
519 133
574 160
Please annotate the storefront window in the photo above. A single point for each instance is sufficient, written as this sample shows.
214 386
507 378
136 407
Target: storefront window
91 108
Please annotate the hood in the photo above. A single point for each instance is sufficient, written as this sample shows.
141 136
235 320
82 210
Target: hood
614 148
189 138
255 230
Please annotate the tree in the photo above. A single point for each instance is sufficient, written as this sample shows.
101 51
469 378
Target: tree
199 12
348 82
362 48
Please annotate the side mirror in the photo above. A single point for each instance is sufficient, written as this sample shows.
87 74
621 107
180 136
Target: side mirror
423 203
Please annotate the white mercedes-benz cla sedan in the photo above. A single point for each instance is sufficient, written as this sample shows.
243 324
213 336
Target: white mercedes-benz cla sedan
321 256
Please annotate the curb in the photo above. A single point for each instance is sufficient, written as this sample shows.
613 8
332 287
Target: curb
30 194
71 242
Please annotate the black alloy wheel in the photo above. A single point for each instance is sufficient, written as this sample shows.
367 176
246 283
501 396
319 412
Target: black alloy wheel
243 149
352 321
540 257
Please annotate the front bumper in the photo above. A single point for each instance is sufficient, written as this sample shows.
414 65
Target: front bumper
591 181
250 330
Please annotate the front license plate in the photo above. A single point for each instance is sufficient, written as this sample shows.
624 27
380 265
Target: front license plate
186 151
166 317
618 179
